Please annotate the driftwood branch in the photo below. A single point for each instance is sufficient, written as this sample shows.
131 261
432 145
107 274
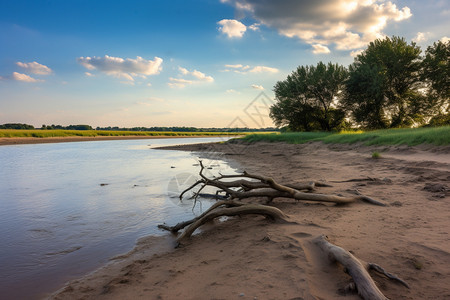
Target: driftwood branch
224 208
248 185
357 269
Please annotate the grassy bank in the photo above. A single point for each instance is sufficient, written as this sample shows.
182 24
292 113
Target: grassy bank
37 133
439 136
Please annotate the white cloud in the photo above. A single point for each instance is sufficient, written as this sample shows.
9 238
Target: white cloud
241 69
254 27
35 68
238 66
231 91
123 68
193 78
201 76
183 71
257 87
445 39
88 74
346 24
355 53
24 77
232 28
179 82
320 49
263 69
421 37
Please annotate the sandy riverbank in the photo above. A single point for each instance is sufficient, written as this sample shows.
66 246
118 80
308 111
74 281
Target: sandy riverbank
253 258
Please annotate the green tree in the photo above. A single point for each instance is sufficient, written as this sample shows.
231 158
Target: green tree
436 75
306 99
436 68
384 85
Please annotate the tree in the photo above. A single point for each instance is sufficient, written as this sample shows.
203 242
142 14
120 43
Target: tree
384 87
436 75
307 99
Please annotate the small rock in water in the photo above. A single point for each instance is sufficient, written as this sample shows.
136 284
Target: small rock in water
172 167
103 184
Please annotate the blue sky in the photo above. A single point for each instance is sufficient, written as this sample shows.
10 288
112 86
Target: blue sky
182 63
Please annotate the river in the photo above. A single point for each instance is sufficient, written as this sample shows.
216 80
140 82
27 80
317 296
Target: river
66 208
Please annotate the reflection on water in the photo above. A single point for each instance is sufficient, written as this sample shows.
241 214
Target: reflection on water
66 208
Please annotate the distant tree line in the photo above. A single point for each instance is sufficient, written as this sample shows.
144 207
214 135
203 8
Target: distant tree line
389 85
16 126
70 127
171 129
190 129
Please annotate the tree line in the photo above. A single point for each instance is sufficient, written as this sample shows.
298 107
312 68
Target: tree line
116 128
389 85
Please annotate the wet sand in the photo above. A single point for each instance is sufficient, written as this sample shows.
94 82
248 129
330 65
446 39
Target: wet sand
254 258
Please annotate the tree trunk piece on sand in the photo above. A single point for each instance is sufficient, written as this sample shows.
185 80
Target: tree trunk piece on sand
357 269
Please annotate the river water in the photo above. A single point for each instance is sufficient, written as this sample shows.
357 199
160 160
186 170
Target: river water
66 208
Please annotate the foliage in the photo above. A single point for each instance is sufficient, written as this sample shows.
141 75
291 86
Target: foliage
436 69
383 89
70 127
440 120
408 136
305 100
16 126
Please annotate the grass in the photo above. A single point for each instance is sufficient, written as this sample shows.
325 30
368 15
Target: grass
292 137
37 133
439 136
376 155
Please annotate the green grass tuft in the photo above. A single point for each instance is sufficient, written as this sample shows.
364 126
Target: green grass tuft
376 155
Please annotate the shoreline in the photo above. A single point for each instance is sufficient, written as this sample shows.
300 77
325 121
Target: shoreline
33 140
251 258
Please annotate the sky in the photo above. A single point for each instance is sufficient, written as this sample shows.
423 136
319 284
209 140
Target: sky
201 63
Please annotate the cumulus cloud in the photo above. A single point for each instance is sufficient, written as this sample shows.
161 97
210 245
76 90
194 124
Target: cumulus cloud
191 77
241 69
123 68
347 24
421 37
320 49
232 28
257 87
88 74
445 39
24 77
35 68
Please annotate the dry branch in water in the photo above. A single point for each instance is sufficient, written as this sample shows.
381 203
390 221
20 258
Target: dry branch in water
357 269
